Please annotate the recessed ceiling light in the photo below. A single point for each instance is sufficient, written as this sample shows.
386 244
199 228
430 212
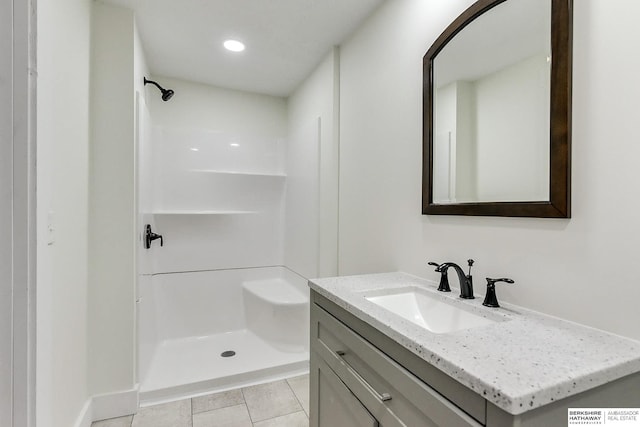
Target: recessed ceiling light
234 144
234 45
195 149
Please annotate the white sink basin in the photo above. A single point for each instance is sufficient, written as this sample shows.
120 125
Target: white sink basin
429 311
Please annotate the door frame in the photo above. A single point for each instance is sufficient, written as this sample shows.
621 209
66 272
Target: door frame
18 210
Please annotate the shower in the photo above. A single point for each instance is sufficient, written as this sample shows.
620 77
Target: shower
166 93
224 303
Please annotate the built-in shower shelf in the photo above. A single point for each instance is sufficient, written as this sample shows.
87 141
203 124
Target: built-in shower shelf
240 174
204 212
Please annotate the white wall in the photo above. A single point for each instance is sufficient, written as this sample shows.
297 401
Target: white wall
63 159
143 190
112 202
581 269
312 188
381 135
302 234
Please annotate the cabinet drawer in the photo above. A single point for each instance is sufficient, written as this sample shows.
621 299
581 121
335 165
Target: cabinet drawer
336 405
393 395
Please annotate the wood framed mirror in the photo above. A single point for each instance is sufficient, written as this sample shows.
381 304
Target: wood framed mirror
497 112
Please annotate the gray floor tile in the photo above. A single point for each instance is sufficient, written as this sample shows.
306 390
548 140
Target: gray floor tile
114 422
297 419
270 400
232 416
300 387
217 401
172 414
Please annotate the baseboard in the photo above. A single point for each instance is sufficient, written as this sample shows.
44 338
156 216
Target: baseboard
112 405
85 417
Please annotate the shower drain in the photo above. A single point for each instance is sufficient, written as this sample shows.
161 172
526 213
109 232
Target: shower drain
228 353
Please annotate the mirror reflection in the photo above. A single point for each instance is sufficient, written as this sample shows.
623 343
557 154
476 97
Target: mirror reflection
491 114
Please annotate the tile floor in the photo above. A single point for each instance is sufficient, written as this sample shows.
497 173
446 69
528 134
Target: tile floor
282 403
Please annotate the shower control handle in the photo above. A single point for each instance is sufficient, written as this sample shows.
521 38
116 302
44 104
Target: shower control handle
150 236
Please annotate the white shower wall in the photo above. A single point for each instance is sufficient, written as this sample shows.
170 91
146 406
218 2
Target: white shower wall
218 179
218 199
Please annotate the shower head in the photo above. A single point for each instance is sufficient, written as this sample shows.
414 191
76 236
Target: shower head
166 93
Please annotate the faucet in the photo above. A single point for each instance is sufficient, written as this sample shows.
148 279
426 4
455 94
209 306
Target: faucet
490 299
466 281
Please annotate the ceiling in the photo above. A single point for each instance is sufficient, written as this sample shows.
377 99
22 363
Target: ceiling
285 39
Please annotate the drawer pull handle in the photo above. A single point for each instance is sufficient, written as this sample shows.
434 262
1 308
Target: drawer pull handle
384 397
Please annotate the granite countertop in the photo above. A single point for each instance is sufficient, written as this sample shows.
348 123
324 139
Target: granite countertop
522 361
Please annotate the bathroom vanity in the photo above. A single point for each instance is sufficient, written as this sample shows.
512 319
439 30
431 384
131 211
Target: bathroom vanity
508 366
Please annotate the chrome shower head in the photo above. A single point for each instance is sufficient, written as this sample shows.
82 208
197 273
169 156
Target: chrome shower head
166 93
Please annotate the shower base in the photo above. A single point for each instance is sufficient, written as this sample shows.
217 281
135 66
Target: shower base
192 366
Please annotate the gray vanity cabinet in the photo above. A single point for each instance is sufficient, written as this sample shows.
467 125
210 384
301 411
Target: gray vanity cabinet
361 377
374 387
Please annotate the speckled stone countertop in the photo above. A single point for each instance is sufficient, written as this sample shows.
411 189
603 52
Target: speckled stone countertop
522 361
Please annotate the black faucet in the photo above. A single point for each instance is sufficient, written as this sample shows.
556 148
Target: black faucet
490 299
466 280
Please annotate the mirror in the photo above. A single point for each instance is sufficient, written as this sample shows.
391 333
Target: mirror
497 112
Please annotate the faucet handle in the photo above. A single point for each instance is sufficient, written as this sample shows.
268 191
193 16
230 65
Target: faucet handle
444 277
494 281
436 265
490 299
